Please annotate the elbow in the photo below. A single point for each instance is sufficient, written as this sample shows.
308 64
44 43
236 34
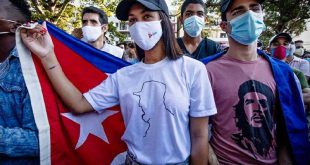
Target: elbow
78 110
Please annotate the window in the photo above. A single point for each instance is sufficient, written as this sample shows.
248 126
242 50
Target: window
223 35
123 26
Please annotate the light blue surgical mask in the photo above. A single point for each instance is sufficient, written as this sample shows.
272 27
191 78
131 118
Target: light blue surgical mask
247 27
193 25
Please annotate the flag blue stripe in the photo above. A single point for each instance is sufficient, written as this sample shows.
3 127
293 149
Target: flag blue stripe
102 60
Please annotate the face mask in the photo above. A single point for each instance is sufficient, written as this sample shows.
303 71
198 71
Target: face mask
146 34
280 52
193 25
299 52
247 27
91 33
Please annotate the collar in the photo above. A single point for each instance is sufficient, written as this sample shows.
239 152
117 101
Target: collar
13 53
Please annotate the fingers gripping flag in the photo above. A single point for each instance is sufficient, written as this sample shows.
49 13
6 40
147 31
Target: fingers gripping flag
65 138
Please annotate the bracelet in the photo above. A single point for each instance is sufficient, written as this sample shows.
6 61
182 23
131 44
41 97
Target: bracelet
52 67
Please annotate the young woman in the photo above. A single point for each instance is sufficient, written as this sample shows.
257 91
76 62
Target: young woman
165 99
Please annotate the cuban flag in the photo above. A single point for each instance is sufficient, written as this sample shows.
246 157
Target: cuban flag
65 138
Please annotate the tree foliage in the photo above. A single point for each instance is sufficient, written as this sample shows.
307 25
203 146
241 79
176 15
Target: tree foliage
66 14
280 15
288 16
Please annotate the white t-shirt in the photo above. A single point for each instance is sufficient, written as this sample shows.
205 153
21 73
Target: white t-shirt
114 50
156 101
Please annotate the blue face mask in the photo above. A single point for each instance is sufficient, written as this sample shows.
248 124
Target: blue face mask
247 27
193 25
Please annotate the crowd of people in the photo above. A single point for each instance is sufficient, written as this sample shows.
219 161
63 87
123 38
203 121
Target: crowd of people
184 100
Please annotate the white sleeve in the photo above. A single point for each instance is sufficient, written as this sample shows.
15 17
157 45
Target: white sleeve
304 67
201 96
105 95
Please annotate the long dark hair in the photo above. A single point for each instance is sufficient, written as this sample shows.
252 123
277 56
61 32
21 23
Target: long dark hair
172 49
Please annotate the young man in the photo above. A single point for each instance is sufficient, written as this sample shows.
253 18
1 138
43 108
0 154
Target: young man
192 44
95 25
260 117
19 143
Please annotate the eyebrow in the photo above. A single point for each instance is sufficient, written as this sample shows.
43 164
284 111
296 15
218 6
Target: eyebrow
242 7
237 8
89 19
143 11
187 11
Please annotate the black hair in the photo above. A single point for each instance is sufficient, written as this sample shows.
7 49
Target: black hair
172 49
23 7
299 41
252 86
103 18
261 138
187 2
223 14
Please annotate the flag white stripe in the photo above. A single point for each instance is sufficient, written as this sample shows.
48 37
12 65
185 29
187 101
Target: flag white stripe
37 101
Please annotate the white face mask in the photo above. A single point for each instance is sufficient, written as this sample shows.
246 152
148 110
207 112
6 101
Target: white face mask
146 34
91 33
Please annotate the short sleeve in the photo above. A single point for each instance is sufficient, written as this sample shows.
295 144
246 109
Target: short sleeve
201 96
105 95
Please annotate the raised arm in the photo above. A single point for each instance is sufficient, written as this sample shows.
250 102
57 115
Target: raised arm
40 43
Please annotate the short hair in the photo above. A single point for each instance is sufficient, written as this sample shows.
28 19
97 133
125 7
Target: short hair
223 14
103 18
23 7
299 41
172 49
187 2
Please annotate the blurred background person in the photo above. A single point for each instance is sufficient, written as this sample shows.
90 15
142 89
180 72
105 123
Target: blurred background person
94 27
193 13
130 54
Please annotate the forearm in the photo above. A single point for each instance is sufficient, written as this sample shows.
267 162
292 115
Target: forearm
199 140
199 153
69 94
18 142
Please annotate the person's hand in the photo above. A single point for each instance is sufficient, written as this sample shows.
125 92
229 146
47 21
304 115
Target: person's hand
212 157
38 40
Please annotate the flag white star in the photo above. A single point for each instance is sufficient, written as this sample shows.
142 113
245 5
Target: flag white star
90 123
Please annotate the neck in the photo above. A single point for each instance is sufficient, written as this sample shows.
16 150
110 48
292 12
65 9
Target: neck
99 43
188 40
242 52
7 44
156 54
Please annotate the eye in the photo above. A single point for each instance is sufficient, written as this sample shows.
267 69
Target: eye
256 9
275 44
132 21
249 101
188 14
237 12
286 44
94 22
263 103
147 16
